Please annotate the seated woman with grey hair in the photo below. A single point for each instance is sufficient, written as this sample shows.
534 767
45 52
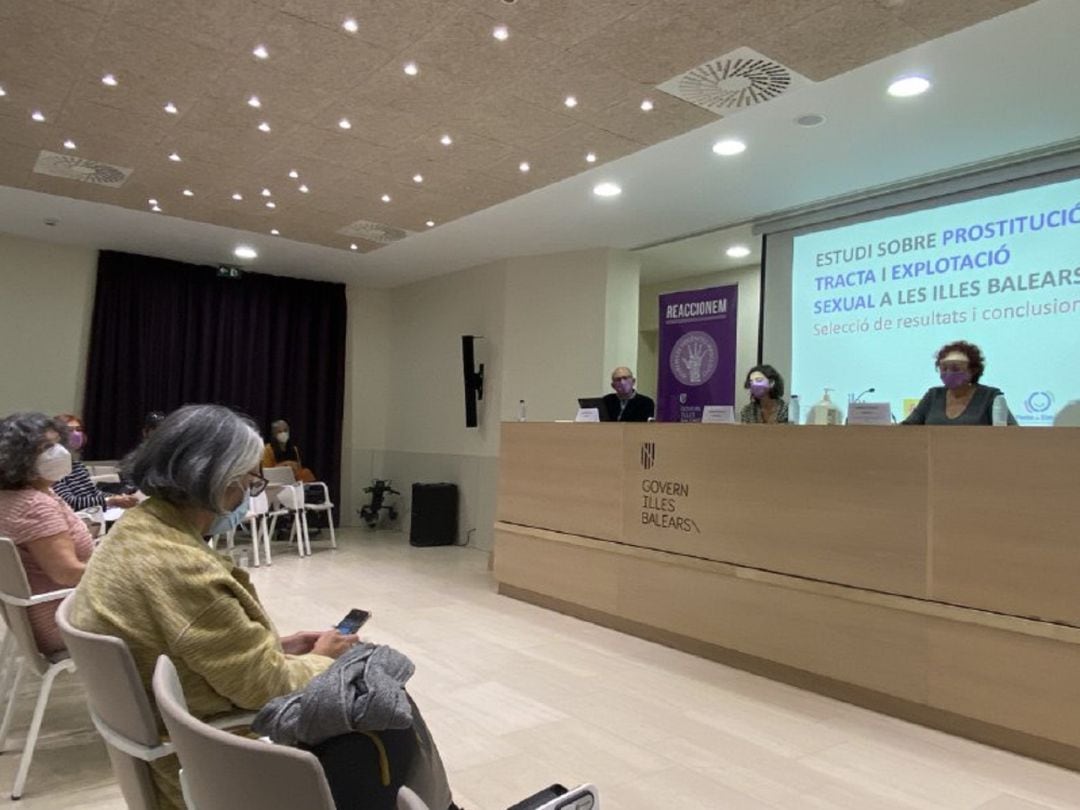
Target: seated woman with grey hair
156 584
53 543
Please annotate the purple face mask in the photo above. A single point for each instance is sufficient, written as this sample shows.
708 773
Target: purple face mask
624 387
955 379
76 439
759 388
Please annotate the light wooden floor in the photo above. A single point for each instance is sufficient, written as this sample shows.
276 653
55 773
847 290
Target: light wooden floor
519 697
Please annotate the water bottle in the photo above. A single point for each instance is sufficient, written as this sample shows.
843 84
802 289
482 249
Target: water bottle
793 410
999 411
521 410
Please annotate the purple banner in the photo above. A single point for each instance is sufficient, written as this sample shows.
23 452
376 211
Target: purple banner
697 352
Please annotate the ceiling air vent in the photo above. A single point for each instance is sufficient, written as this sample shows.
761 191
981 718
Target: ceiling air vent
71 167
737 80
374 232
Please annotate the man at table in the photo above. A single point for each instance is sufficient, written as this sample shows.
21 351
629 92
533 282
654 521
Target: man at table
627 404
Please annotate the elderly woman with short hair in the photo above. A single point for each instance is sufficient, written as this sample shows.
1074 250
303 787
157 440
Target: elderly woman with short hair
961 399
53 543
156 585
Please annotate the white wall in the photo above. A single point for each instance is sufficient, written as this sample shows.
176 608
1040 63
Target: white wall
46 303
749 281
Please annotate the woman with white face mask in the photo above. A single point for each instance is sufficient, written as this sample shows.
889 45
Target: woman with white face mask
54 544
281 451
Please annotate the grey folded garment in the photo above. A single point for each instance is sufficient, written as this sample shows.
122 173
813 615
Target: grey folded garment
364 690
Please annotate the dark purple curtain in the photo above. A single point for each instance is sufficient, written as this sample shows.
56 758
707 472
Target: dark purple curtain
167 333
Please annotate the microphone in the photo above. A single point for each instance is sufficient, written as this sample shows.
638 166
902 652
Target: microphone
863 394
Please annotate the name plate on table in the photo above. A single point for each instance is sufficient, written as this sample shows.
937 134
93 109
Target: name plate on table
587 415
722 414
869 413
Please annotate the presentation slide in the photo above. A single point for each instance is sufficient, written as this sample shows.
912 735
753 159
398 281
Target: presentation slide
872 302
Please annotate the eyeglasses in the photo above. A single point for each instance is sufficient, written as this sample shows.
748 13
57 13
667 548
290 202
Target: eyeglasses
258 486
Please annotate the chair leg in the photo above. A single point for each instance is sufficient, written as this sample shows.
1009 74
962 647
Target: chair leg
8 660
35 728
266 532
330 523
307 536
255 535
9 712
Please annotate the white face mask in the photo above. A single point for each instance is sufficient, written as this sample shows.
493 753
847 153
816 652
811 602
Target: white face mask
53 463
283 437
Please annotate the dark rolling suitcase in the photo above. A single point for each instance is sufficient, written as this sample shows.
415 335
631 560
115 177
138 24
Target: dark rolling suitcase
434 515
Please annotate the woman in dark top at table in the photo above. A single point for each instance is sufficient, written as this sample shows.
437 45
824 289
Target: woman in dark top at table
766 405
962 400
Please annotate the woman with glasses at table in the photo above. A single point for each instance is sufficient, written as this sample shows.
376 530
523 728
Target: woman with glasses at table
961 399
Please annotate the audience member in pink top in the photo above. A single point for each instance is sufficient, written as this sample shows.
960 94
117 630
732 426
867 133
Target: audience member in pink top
54 544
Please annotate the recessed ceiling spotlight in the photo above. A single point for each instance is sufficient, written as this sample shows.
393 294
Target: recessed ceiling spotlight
729 147
237 196
430 223
351 25
524 166
590 157
352 246
738 251
570 101
275 232
908 86
647 105
271 204
385 198
174 157
245 252
38 115
446 140
156 209
264 127
304 189
261 52
810 120
3 92
607 189
418 178
411 69
109 79
265 192
187 192
501 33
294 174
69 144
151 201
170 108
253 101
345 123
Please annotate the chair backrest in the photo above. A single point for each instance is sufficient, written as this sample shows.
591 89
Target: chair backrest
223 771
279 475
117 699
15 588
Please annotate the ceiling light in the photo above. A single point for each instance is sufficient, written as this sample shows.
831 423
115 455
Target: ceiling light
351 25
254 102
353 246
261 52
738 251
501 33
69 144
304 189
446 140
646 105
524 166
607 190
411 69
271 205
430 223
385 198
109 79
275 232
237 196
174 157
908 86
729 147
418 178
294 174
156 209
170 108
264 127
265 192
810 120
344 123
187 192
590 157
570 102
37 115
245 252
151 201
3 92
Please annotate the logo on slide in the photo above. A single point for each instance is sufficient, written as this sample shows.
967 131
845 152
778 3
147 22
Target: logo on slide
694 358
648 455
1039 401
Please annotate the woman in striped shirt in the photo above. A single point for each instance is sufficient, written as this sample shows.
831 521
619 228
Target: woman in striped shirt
77 489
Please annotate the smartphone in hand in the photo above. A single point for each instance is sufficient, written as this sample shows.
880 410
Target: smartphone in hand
353 621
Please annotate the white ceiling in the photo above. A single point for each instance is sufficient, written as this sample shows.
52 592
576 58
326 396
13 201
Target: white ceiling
1000 87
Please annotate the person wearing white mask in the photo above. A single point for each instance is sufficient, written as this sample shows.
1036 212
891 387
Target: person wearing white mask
281 451
627 404
53 543
766 405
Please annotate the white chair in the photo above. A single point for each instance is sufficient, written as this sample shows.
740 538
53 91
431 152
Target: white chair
258 524
286 491
15 598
